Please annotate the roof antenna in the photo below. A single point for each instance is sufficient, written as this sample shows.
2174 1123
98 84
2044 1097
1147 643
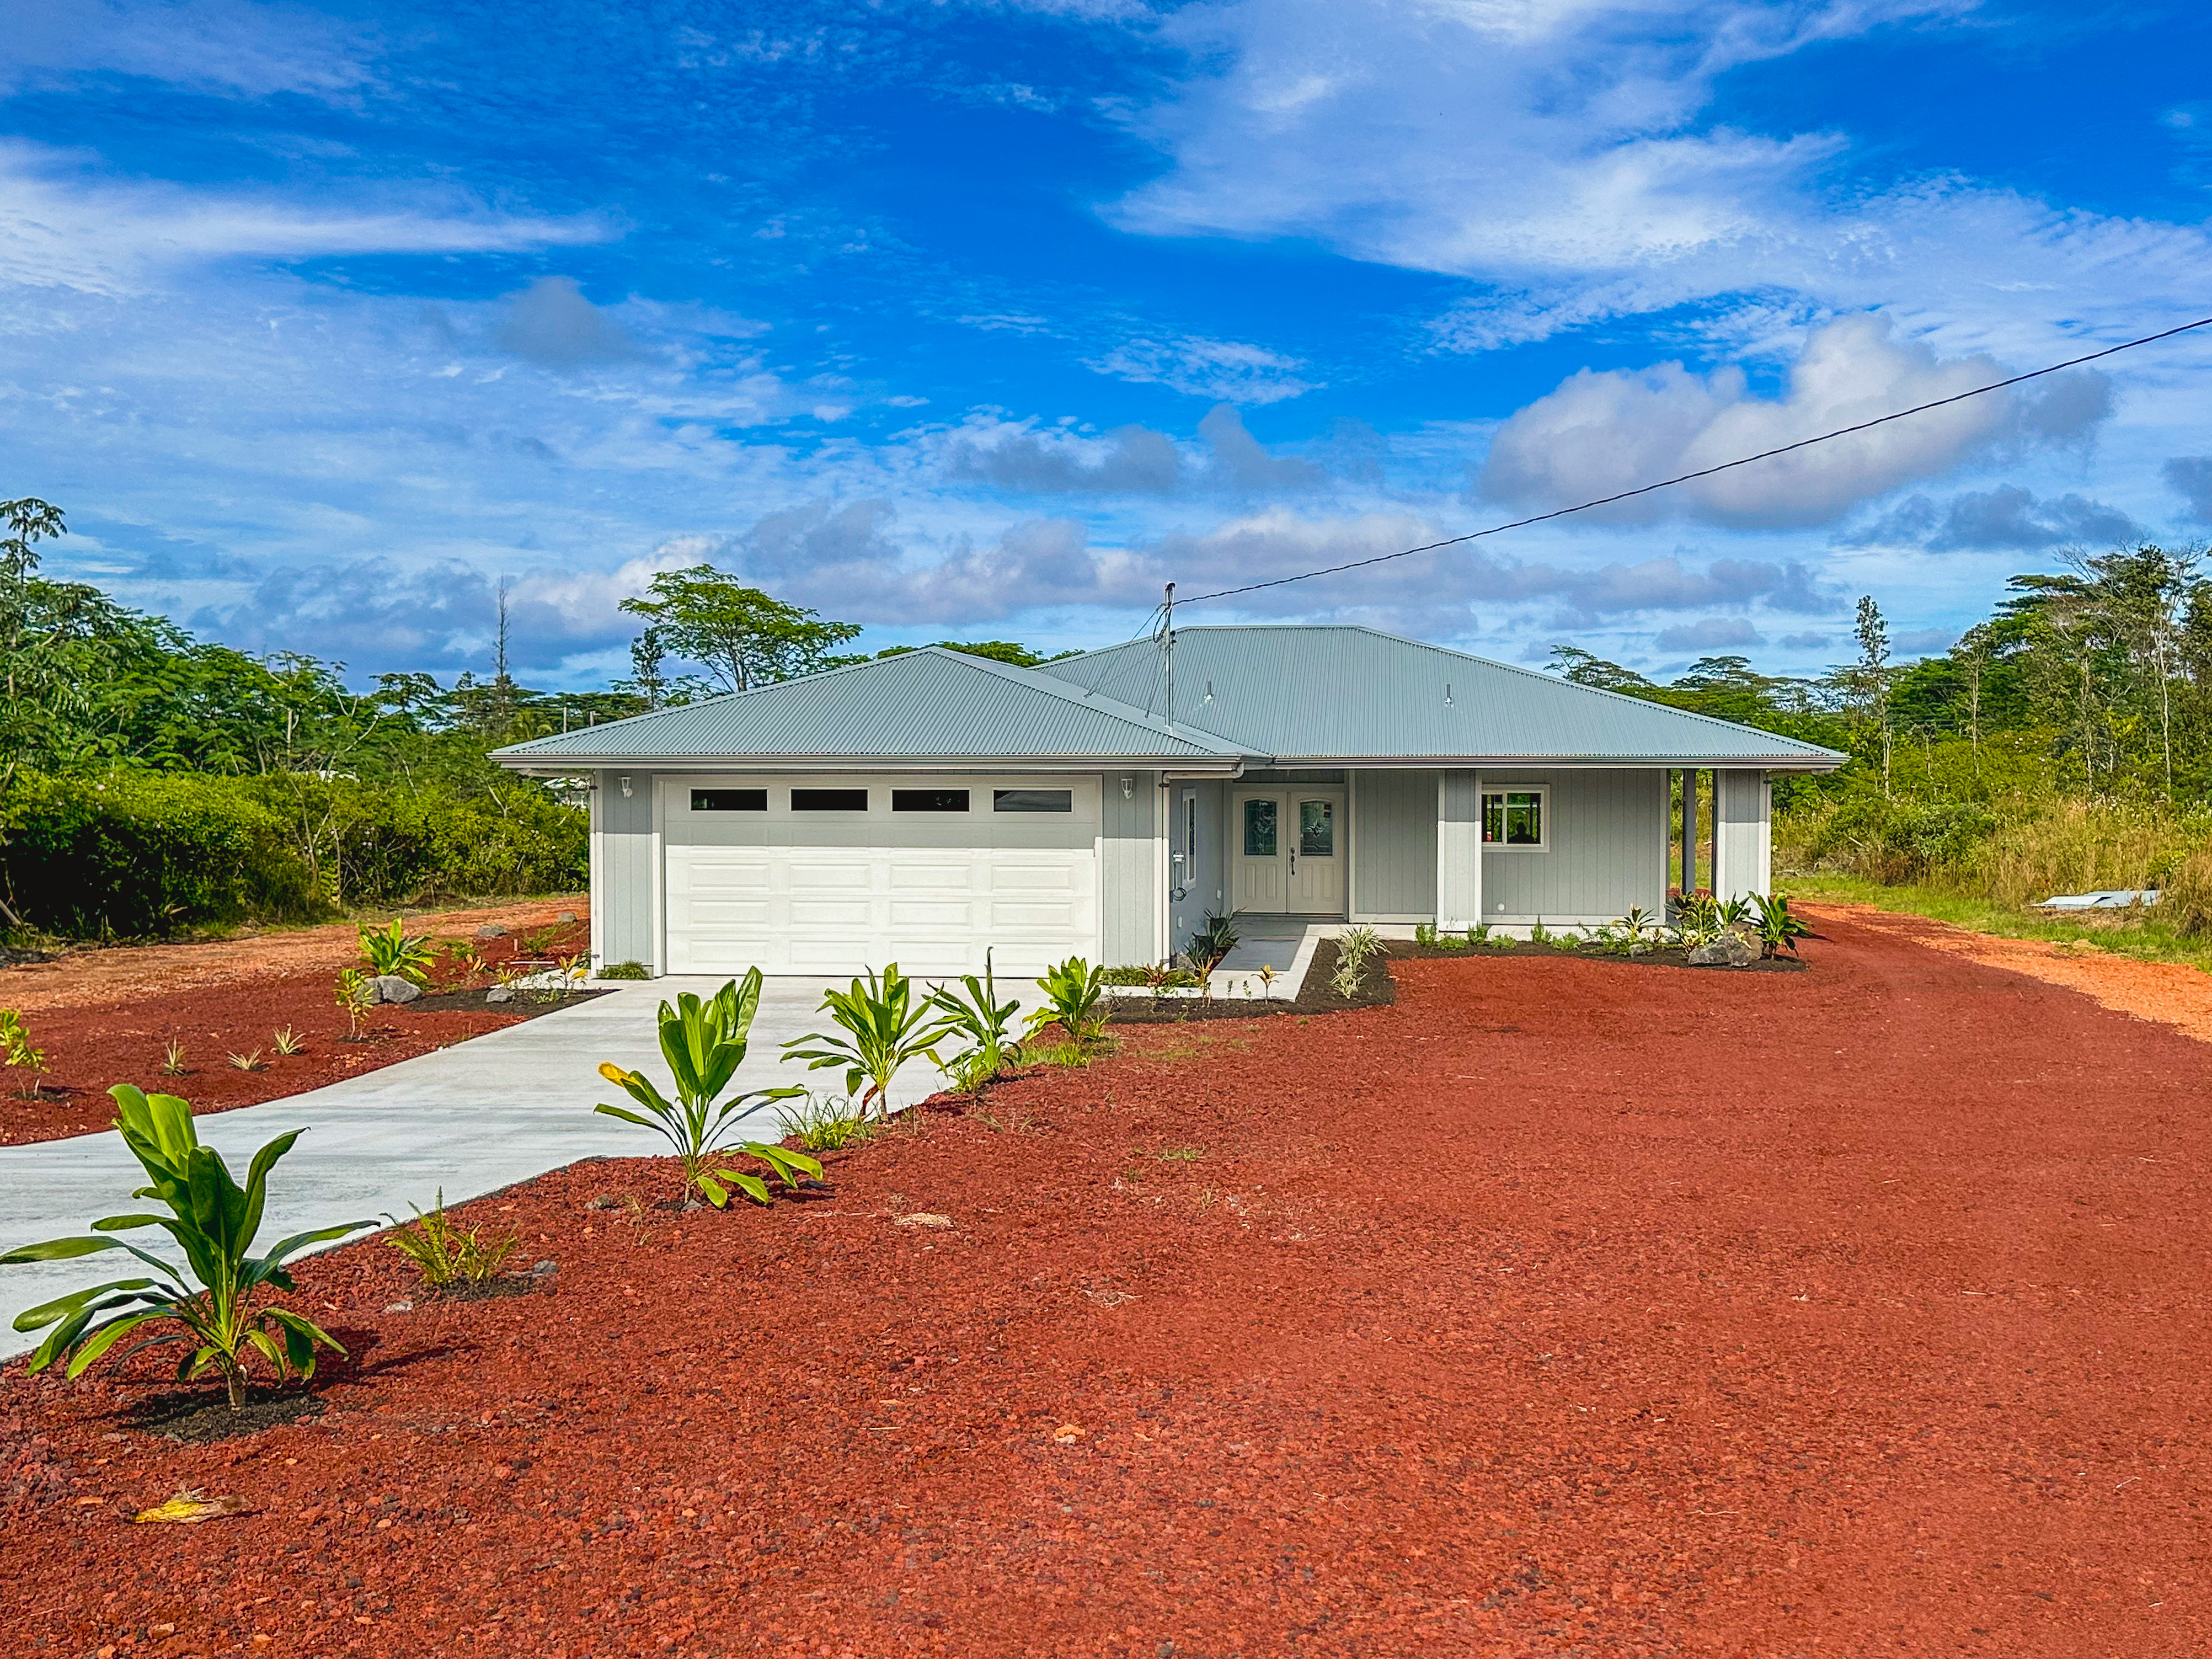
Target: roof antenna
1167 639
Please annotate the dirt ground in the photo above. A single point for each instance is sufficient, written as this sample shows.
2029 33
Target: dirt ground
102 1021
1563 1307
2172 993
94 976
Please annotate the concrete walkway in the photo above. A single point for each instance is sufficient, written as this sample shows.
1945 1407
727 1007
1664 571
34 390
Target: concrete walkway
473 1118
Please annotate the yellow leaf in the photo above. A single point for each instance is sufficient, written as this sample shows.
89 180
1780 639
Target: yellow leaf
191 1506
613 1074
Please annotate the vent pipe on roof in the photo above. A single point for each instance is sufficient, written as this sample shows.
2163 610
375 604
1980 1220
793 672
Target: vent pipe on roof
1447 694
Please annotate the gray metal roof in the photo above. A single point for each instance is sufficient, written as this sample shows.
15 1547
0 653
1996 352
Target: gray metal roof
920 706
1307 694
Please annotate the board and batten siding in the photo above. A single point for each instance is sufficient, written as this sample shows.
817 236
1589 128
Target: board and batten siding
625 869
1743 836
1394 845
1129 876
1606 849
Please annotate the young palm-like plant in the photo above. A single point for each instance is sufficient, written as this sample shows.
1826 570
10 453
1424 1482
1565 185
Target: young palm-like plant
394 950
985 1025
880 1028
215 1301
704 1043
1778 931
1074 1001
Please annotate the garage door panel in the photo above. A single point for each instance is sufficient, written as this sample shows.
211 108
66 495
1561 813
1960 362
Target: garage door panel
746 891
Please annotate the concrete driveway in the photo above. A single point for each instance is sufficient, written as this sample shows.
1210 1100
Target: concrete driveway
475 1117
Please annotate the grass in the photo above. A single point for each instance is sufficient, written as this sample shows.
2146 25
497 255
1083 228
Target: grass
2143 938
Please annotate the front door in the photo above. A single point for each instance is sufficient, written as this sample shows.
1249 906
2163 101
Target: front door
1290 852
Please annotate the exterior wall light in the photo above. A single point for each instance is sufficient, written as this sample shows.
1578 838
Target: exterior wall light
1128 789
625 782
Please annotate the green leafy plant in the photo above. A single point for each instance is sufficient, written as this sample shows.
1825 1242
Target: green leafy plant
1267 978
1075 1001
541 941
288 1042
394 950
1355 948
704 1043
983 1023
625 970
1778 930
173 1059
444 1254
1637 927
353 996
16 1050
218 1300
880 1027
827 1123
1210 945
1538 934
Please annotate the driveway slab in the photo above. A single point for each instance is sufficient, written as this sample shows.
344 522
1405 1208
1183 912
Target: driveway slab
473 1118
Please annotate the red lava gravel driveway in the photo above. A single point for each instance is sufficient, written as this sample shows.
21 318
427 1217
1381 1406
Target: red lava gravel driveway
1563 1308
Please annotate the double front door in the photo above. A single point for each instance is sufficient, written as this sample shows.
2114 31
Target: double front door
1290 851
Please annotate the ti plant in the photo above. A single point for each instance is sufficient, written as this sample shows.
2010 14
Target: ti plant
1210 945
394 950
16 1051
983 1023
880 1027
704 1043
217 1301
1778 931
353 996
446 1254
1355 948
1075 1001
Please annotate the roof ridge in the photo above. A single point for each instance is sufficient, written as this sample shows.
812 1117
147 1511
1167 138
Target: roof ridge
1067 691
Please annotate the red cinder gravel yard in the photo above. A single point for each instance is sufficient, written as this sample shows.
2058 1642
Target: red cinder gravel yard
1564 1307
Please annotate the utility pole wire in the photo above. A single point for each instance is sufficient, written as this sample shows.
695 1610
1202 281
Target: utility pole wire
1703 472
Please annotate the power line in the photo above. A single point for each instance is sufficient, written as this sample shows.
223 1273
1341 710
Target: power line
1702 472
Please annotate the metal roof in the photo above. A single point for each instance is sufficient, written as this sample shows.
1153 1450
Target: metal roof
1314 694
1288 696
920 706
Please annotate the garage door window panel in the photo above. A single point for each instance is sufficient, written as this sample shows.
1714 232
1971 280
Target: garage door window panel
929 800
828 800
729 800
1032 800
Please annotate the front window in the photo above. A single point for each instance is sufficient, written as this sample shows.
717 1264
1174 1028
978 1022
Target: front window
1513 818
1258 829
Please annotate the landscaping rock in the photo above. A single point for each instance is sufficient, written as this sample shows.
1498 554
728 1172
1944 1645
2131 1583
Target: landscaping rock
491 930
1726 951
565 917
500 993
393 988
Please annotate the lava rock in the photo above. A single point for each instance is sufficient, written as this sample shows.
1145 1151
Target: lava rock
393 988
491 930
500 993
565 917
1726 951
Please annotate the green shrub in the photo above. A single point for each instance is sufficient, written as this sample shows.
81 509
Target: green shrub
625 970
1074 1000
880 1028
152 855
444 1254
393 952
827 1123
221 1322
983 1022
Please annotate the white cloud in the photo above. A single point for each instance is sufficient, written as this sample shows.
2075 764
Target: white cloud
1224 369
550 322
2008 517
1710 633
1563 155
231 46
63 225
1601 432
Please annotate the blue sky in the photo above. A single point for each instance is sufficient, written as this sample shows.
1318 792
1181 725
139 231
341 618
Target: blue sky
985 320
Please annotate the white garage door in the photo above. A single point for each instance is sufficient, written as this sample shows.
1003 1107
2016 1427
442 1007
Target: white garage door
833 875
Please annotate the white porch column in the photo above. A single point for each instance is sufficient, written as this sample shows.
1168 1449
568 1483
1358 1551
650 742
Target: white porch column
1742 834
1459 850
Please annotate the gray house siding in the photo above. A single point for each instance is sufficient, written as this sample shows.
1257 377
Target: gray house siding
1200 883
1741 814
1129 850
628 869
1394 845
1607 835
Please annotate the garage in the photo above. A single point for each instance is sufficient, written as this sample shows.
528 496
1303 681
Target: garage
831 875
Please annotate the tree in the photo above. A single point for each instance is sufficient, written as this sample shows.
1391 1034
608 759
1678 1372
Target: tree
1870 675
1005 651
1581 667
738 635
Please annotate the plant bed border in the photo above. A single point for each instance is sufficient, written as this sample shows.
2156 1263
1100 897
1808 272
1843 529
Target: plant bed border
1666 956
524 1004
1315 997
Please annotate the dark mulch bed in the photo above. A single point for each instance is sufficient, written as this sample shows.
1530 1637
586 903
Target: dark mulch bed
1377 990
493 1289
199 1417
524 1004
1666 957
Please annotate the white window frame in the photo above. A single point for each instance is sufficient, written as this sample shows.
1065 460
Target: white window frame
1543 793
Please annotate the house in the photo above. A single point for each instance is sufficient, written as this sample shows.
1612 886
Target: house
925 807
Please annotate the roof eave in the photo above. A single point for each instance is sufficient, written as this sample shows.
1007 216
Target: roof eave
1827 762
563 764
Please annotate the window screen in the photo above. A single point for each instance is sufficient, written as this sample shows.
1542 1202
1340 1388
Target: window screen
729 800
929 800
1032 800
828 800
1514 818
